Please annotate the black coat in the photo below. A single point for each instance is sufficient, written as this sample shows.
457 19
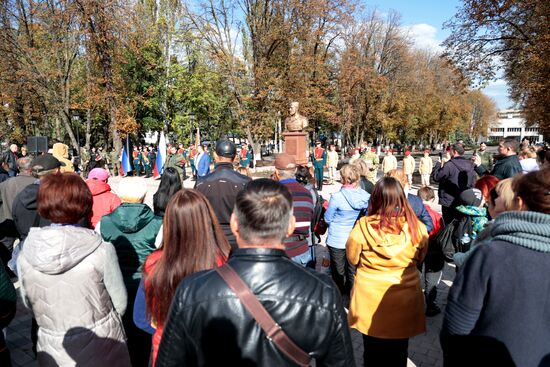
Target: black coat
503 168
3 175
24 211
208 326
11 159
221 188
454 176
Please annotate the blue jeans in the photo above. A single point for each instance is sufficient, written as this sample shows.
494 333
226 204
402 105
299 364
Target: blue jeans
305 259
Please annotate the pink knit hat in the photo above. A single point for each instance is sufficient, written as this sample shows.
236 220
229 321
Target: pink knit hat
98 174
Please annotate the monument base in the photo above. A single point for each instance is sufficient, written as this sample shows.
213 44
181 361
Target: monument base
296 146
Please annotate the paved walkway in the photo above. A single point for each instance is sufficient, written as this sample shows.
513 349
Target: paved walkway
424 350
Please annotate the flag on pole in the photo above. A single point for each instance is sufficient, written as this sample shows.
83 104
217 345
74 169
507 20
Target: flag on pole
161 156
125 160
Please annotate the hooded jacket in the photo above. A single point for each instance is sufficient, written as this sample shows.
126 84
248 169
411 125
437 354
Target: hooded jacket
132 229
344 208
502 294
386 300
71 281
477 215
61 152
455 176
104 201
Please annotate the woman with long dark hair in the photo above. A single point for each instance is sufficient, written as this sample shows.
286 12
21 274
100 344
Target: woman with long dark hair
387 305
170 183
192 241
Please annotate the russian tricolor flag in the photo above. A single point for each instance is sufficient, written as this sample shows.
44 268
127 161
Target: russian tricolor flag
125 163
161 156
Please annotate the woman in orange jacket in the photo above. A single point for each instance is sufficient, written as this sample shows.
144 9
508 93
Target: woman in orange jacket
387 305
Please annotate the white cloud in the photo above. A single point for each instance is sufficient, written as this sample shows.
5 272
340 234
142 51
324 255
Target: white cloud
423 36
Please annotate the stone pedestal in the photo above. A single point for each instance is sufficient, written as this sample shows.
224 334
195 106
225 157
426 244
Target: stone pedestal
296 145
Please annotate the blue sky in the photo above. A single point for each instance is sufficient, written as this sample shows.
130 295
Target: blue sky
424 20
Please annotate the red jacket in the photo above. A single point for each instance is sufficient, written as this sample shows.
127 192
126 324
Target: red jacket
104 201
436 219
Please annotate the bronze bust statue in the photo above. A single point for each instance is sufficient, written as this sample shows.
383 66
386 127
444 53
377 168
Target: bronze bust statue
295 122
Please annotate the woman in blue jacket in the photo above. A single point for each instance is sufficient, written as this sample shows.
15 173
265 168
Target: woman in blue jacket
344 207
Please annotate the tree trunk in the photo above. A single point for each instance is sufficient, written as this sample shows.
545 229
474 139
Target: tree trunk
65 117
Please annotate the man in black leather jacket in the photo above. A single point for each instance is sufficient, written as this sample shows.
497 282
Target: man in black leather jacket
208 325
222 186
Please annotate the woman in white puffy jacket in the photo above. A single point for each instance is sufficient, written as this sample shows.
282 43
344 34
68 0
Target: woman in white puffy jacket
71 281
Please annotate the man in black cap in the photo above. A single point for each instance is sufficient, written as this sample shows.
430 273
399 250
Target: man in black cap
24 206
222 186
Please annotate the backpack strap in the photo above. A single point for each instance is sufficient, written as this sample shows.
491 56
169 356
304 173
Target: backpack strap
273 331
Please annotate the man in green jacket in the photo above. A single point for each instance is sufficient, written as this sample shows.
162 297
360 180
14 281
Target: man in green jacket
372 160
175 160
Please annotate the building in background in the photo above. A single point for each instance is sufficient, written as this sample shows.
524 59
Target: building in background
512 123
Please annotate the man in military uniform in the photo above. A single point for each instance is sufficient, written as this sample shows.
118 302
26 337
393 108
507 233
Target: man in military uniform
175 160
152 156
185 156
319 159
136 155
486 157
146 162
192 155
372 160
84 160
113 162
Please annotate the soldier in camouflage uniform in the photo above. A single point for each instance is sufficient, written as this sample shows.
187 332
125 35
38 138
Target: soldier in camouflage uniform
113 162
372 160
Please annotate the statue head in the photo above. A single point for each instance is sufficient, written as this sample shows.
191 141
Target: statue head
293 110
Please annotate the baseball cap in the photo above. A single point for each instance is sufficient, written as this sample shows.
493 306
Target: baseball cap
284 161
45 162
226 148
98 174
471 197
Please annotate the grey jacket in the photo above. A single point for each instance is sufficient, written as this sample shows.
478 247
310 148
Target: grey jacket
9 190
71 281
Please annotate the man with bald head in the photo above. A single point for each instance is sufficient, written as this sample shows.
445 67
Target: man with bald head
10 157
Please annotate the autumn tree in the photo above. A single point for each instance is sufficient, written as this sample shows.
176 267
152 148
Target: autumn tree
509 35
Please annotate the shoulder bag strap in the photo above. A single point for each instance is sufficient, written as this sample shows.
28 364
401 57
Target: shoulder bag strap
273 331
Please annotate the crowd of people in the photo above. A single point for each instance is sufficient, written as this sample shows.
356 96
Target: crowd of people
225 273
